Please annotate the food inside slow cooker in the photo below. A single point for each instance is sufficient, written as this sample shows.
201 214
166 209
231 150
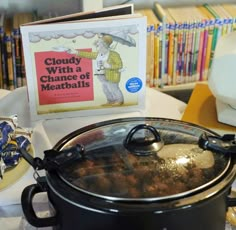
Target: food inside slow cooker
127 175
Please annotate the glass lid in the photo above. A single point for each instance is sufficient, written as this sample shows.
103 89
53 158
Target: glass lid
141 159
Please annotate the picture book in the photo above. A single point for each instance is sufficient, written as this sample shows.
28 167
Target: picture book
86 63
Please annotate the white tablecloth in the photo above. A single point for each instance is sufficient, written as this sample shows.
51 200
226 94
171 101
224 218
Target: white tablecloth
47 133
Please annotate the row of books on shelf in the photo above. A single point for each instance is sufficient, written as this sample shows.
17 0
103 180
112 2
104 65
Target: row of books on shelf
12 66
181 41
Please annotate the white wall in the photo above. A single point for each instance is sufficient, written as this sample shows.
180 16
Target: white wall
43 6
72 6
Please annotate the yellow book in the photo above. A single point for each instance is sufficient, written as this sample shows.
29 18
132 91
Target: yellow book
228 19
150 46
231 9
157 27
161 15
174 13
156 57
201 110
171 66
223 18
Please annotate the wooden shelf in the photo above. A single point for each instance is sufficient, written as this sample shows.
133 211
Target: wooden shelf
180 87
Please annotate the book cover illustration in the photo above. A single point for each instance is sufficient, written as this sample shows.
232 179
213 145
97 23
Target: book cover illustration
82 67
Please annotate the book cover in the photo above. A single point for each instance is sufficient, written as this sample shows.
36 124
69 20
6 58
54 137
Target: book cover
84 67
201 110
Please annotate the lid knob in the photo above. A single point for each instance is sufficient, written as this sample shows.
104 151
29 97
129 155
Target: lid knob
143 145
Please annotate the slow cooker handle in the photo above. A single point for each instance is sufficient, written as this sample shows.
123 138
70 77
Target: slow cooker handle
27 205
54 160
224 144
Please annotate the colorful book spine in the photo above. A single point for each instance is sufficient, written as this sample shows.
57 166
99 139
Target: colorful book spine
9 62
3 52
228 19
14 62
151 73
231 9
196 50
160 13
192 50
174 74
2 18
189 51
210 27
1 70
148 58
200 50
177 53
161 69
156 23
224 20
8 52
208 50
180 27
17 49
204 50
156 56
171 53
165 78
216 31
185 52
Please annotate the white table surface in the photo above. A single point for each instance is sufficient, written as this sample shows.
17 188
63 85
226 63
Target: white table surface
47 133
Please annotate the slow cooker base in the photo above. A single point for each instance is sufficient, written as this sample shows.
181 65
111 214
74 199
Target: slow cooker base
209 215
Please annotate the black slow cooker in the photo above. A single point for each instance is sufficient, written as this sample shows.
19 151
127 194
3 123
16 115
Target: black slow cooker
136 173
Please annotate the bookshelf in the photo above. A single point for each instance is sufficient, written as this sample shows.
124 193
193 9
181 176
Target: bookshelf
54 7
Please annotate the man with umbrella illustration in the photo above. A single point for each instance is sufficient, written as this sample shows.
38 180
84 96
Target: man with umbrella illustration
108 68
